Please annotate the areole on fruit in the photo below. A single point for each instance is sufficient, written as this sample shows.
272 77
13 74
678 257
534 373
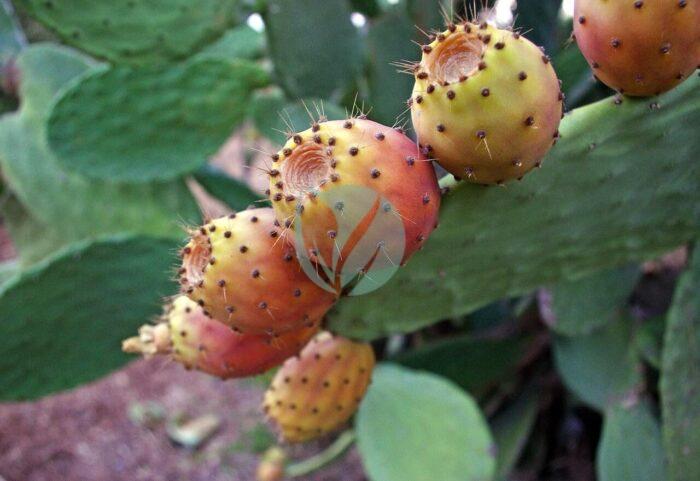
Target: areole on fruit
486 103
639 48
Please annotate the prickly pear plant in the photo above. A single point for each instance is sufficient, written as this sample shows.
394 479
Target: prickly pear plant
244 273
199 342
639 48
539 306
486 103
309 174
316 392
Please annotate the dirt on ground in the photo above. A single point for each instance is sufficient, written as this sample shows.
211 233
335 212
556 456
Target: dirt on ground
95 433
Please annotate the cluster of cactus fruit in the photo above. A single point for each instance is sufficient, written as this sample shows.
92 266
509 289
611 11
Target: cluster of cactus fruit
486 106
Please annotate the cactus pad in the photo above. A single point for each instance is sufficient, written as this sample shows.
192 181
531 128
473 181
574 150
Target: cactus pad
62 318
150 123
130 31
622 185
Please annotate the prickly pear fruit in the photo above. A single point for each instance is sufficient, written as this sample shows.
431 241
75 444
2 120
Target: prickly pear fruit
375 161
271 466
486 103
318 391
199 342
240 270
642 47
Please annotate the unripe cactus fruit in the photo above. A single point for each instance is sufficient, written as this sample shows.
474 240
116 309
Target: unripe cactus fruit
362 154
486 103
316 392
241 271
639 48
199 342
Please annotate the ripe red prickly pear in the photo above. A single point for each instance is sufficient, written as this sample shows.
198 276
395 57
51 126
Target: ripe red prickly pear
316 392
639 48
486 103
367 160
241 271
205 344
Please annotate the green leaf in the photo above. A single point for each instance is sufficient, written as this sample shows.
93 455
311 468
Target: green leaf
680 378
388 42
415 426
240 42
127 124
630 447
511 429
233 192
601 368
273 115
134 32
540 20
476 365
608 194
75 207
63 319
12 39
578 307
314 46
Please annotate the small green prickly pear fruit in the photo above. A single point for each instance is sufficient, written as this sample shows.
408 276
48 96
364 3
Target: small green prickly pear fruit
486 103
198 342
639 48
244 274
367 160
318 391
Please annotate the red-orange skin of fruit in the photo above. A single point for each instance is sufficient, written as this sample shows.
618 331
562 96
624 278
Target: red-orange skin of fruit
385 160
202 343
242 271
639 48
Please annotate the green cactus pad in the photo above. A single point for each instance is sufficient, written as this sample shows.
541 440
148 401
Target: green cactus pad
403 432
273 115
127 124
512 428
239 42
32 238
680 378
49 193
630 445
12 39
578 307
315 48
475 365
232 192
63 319
387 44
129 31
622 185
601 368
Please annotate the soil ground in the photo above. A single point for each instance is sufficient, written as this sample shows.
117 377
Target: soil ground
89 435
